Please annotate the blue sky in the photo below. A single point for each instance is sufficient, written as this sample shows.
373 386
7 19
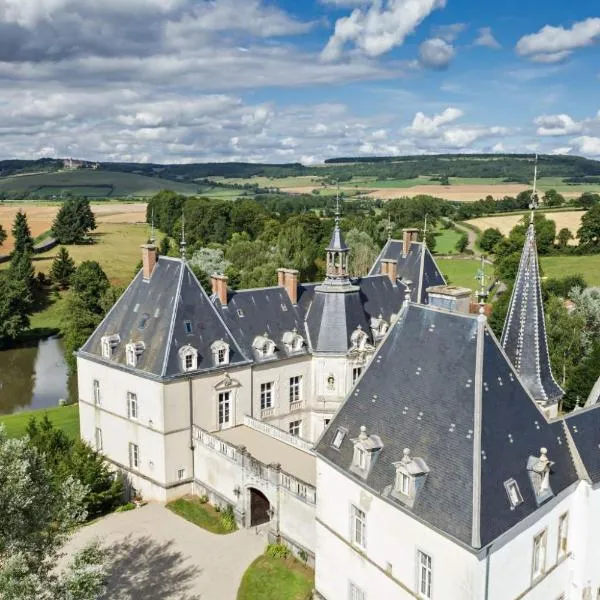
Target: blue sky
297 80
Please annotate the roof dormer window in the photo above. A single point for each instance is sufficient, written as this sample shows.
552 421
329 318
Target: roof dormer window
133 351
188 356
359 339
220 352
379 327
366 449
109 345
264 346
539 469
411 473
338 438
293 341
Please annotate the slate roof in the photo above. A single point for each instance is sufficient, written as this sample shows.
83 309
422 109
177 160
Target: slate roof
155 312
584 427
441 386
337 241
524 336
418 267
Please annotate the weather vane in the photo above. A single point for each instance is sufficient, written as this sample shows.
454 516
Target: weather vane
534 199
482 294
183 243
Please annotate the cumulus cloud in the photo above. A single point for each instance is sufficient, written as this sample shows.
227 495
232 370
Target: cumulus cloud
554 44
449 33
378 28
556 125
436 53
423 125
587 144
560 151
486 39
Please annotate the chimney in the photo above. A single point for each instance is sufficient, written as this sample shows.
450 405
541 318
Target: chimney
288 279
450 297
219 287
149 258
389 267
409 236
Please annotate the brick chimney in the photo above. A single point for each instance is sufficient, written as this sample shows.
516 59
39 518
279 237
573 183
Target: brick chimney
389 267
219 287
288 279
149 258
409 236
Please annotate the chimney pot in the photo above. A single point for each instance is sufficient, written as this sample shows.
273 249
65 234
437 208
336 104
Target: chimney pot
389 267
288 279
409 236
219 287
149 259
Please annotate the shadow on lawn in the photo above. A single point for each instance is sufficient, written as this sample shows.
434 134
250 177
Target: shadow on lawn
141 568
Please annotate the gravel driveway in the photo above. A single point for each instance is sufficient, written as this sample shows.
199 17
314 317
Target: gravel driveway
157 555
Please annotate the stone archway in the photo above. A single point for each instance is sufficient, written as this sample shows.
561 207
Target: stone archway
260 508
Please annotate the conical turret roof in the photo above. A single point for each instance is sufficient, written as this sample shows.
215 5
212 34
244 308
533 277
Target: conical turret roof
524 336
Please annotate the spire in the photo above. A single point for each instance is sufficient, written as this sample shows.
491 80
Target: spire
152 236
183 243
534 199
482 294
524 335
337 252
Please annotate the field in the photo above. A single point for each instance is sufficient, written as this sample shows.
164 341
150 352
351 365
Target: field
559 266
445 241
461 272
40 216
505 223
63 417
97 184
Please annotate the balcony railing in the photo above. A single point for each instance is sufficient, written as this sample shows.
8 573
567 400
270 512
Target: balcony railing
267 412
279 434
298 405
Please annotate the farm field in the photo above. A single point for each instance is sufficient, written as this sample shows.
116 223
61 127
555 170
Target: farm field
559 266
446 240
505 223
461 272
98 184
40 216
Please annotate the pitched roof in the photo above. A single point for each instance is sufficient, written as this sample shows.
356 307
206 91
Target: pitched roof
524 336
416 266
584 427
337 241
441 386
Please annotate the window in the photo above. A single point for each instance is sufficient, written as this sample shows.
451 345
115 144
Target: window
514 493
132 405
404 483
220 352
109 344
539 555
356 593
295 428
360 458
425 575
187 325
356 373
359 527
224 408
133 351
181 474
98 439
189 362
340 434
221 355
326 422
266 395
134 455
563 531
96 387
295 388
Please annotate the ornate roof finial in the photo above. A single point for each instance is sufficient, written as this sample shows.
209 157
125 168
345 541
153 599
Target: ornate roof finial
482 293
389 227
534 200
337 206
152 237
183 242
425 232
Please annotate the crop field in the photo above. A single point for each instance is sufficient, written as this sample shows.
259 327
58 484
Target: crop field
88 182
505 223
40 216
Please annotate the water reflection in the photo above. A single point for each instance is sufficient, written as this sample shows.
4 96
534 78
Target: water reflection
34 377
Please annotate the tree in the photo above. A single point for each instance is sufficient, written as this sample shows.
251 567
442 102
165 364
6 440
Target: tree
589 232
207 261
38 515
564 237
462 243
90 283
553 198
165 246
588 199
2 235
587 305
489 238
363 252
62 268
73 221
22 234
14 312
562 287
582 380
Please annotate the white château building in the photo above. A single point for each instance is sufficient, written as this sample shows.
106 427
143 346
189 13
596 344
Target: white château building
376 426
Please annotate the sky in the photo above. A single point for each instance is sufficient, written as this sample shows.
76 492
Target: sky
297 80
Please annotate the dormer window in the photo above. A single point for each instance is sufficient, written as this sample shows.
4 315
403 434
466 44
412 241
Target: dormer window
539 470
338 438
513 492
109 345
189 358
366 449
264 346
411 473
379 327
220 352
133 351
359 339
293 341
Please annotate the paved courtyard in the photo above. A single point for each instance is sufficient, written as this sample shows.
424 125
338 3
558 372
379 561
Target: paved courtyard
156 555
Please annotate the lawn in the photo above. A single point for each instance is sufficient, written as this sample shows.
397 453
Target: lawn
559 266
270 578
63 417
461 272
201 514
445 241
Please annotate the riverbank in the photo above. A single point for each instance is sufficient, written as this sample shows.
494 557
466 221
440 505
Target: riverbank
65 418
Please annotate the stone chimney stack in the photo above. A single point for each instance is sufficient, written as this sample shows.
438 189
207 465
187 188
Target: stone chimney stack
149 259
409 236
219 287
450 297
288 279
389 267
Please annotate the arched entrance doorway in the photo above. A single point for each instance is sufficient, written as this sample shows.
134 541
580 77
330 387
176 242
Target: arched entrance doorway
259 507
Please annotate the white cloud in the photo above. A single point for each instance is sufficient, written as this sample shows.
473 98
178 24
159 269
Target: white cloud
556 125
486 39
563 150
587 144
423 125
378 28
463 137
552 44
345 3
435 53
449 33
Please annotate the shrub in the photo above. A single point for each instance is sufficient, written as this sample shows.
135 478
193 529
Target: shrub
278 551
303 556
228 519
125 507
203 499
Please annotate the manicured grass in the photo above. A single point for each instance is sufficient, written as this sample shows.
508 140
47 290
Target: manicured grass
203 515
63 417
445 241
276 579
461 272
560 266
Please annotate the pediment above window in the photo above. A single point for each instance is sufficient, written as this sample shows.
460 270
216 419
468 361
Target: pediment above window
379 327
109 345
293 341
227 383
220 352
264 346
188 356
133 351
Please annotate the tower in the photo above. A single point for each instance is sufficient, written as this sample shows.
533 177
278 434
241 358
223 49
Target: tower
337 253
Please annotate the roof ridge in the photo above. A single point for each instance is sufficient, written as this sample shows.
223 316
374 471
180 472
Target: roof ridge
163 371
477 432
575 456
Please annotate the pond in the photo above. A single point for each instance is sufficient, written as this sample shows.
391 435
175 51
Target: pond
35 376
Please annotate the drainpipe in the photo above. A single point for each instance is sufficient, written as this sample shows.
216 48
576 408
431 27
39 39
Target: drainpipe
192 447
487 571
